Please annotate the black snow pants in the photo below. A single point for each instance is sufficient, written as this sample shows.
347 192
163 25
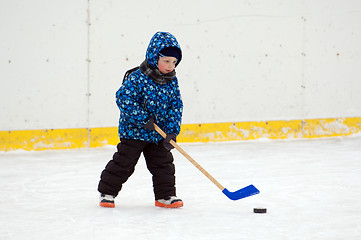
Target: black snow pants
159 162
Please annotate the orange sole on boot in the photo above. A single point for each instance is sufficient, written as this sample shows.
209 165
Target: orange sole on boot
107 204
173 205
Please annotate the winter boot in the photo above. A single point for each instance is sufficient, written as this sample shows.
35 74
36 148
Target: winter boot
106 201
169 202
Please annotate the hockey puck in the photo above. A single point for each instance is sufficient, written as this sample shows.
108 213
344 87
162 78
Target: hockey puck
260 210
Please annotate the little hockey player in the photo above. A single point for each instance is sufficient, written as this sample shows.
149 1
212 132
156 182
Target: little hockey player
148 95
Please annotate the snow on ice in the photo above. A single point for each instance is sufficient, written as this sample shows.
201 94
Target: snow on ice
311 189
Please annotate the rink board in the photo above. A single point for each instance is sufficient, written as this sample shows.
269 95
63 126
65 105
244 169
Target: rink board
204 132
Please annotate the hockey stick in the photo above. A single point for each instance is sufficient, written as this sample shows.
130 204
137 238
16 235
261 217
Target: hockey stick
241 193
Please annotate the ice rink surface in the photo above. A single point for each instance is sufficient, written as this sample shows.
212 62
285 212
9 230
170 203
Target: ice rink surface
311 189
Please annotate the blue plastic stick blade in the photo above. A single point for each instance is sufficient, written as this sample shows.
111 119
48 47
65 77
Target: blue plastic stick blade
241 193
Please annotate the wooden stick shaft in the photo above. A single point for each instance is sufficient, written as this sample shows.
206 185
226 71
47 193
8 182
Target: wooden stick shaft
185 154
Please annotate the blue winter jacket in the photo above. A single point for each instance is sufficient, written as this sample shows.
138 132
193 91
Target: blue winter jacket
140 98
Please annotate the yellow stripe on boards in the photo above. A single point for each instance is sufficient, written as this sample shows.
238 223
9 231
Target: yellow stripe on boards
103 136
309 128
43 139
205 132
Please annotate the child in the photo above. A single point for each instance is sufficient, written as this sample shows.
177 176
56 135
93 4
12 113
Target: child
148 95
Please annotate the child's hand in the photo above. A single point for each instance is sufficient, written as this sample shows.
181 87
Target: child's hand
150 124
166 142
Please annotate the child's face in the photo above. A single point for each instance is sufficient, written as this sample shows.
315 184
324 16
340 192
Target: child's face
166 64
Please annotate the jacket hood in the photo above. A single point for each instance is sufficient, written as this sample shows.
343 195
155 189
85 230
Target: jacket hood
159 41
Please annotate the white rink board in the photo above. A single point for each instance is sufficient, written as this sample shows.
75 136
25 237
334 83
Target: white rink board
243 61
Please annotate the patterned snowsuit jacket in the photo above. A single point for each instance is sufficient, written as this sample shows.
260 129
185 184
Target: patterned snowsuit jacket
140 98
